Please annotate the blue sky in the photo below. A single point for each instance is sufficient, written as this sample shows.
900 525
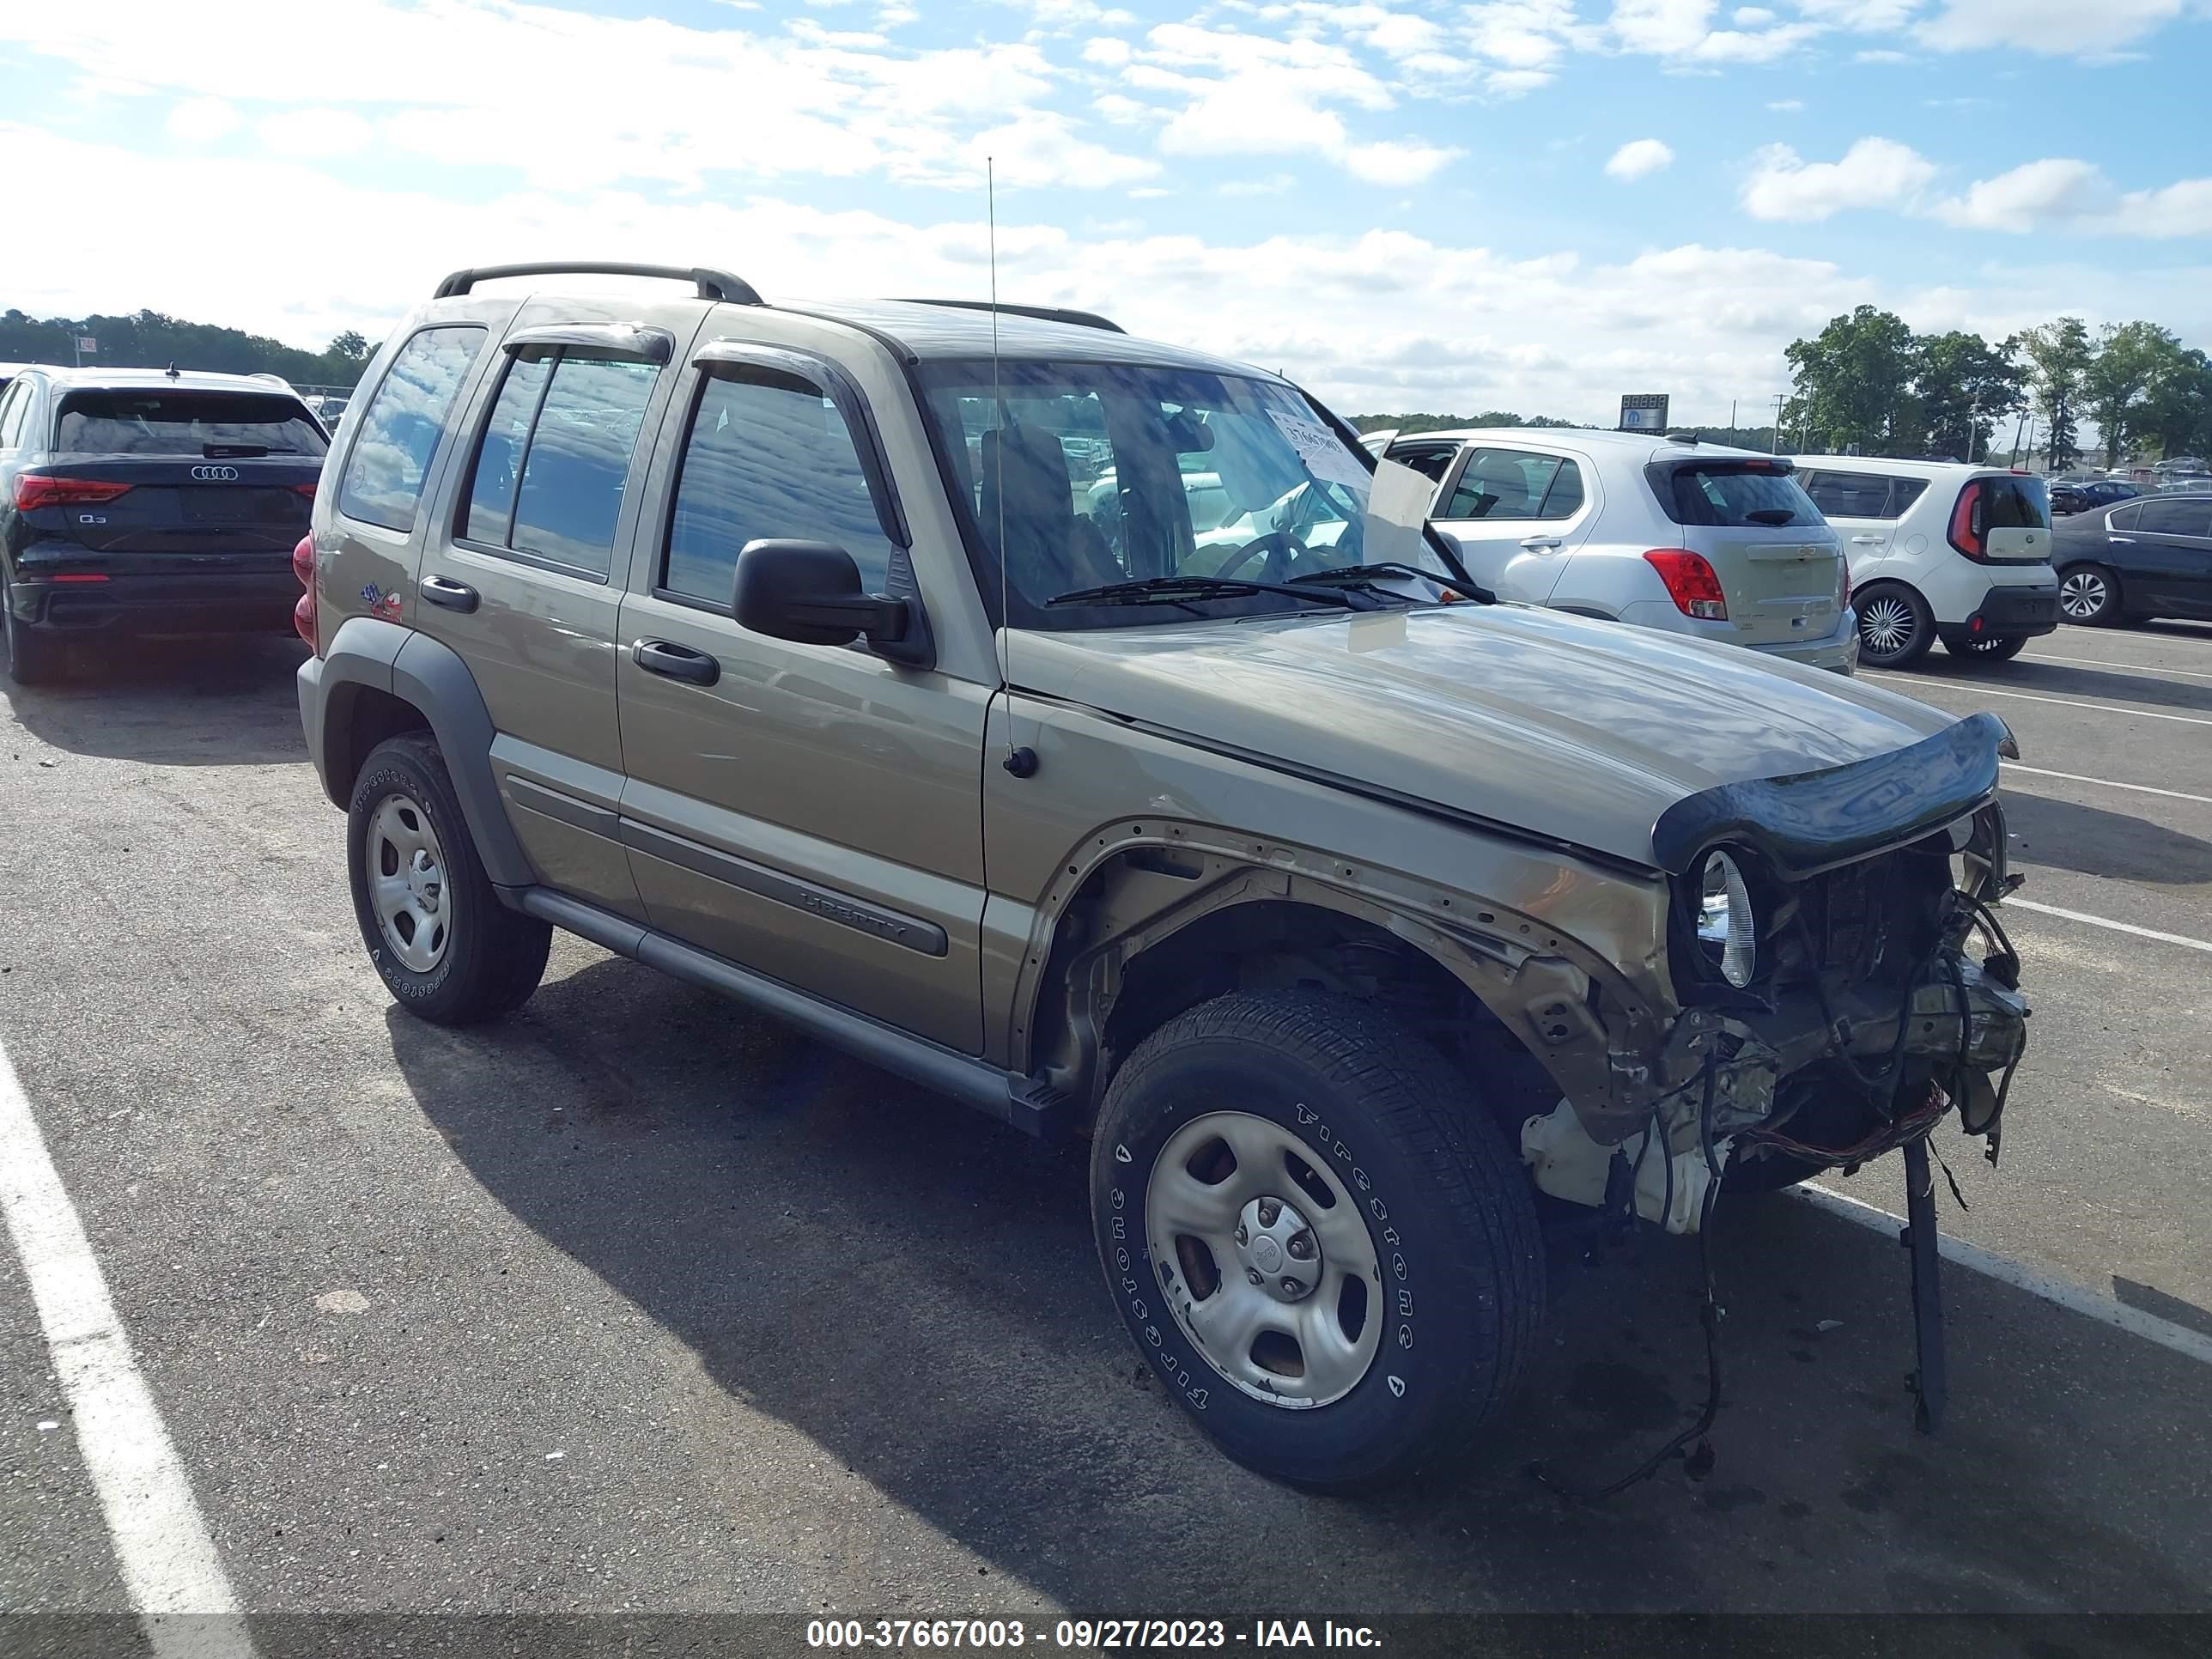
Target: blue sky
1535 205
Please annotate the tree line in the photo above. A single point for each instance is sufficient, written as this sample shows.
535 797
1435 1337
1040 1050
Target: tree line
147 339
1868 384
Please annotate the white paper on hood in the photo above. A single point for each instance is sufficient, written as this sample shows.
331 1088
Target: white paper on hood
1323 452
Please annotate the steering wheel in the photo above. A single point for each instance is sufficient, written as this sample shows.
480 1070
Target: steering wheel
1278 546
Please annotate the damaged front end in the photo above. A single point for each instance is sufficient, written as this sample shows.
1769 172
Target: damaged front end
1842 978
1843 983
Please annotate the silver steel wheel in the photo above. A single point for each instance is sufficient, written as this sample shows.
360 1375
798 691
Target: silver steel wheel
407 883
2083 595
1264 1259
1886 624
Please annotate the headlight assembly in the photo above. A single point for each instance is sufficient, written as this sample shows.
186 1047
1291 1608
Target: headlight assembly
1726 928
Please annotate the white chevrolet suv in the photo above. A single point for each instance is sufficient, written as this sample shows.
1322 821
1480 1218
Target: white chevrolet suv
1663 533
1939 550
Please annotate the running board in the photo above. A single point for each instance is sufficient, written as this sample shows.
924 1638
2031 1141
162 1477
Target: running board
1023 1103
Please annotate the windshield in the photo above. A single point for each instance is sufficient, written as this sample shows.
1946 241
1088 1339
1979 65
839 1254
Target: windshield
183 423
1091 474
1734 495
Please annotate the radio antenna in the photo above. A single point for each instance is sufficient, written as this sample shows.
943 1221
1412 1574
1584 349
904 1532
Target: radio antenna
1022 762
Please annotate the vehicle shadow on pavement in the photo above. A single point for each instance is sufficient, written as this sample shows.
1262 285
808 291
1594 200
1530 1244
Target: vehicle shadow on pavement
914 1288
220 701
2099 842
2147 686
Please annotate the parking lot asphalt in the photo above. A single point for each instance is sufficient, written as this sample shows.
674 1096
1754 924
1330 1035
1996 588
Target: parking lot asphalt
632 1303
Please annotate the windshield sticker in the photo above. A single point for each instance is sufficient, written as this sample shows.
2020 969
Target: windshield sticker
1322 450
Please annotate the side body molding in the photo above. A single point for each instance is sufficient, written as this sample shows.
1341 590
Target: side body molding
367 654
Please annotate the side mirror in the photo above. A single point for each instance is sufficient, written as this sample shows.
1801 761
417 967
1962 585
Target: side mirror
810 593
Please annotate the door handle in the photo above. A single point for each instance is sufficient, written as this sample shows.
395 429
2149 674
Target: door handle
676 662
1542 543
453 596
1866 541
2128 540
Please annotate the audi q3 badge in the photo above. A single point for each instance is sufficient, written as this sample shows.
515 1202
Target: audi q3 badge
214 474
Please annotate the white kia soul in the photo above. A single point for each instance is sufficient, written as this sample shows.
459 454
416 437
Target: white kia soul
1939 550
1663 533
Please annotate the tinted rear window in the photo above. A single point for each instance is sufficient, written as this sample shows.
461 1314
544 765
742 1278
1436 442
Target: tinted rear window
184 423
2016 503
1733 494
2185 518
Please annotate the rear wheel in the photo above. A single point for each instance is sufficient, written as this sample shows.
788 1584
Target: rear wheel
1316 1237
32 658
446 949
1895 626
2089 593
1990 647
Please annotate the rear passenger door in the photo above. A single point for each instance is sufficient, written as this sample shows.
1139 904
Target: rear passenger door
2170 565
1517 514
810 811
518 580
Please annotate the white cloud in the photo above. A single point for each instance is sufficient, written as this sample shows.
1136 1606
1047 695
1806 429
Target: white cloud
1638 159
1041 148
1521 42
1883 56
1787 106
1275 184
2062 194
1878 173
1227 93
1751 18
202 120
1107 49
2057 28
314 132
814 100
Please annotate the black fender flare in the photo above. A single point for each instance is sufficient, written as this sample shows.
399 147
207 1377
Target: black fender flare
367 654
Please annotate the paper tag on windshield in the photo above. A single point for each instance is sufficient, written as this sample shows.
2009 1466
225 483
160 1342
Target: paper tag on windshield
1322 450
1397 508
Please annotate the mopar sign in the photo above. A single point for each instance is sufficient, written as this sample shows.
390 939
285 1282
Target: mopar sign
1643 411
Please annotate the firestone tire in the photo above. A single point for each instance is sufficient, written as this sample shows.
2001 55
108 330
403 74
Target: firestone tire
480 960
1429 1210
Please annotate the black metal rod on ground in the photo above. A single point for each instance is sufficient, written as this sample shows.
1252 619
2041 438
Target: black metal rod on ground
1919 1237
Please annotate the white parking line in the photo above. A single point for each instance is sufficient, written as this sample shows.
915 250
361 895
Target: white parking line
2106 783
168 1563
2072 1297
2182 939
2023 696
2139 667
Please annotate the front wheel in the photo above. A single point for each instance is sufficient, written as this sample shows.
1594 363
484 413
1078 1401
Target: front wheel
1990 647
1317 1236
1895 627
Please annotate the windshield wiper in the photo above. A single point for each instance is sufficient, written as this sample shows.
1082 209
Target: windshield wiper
1363 576
1172 589
1774 516
239 451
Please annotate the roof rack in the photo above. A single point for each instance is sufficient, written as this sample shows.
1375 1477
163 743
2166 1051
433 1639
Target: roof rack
1042 313
712 284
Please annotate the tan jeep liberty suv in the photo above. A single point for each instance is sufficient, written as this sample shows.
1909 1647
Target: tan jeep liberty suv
784 648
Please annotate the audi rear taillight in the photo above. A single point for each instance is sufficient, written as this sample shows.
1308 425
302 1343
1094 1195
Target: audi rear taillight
36 489
1691 583
303 612
306 489
1968 523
